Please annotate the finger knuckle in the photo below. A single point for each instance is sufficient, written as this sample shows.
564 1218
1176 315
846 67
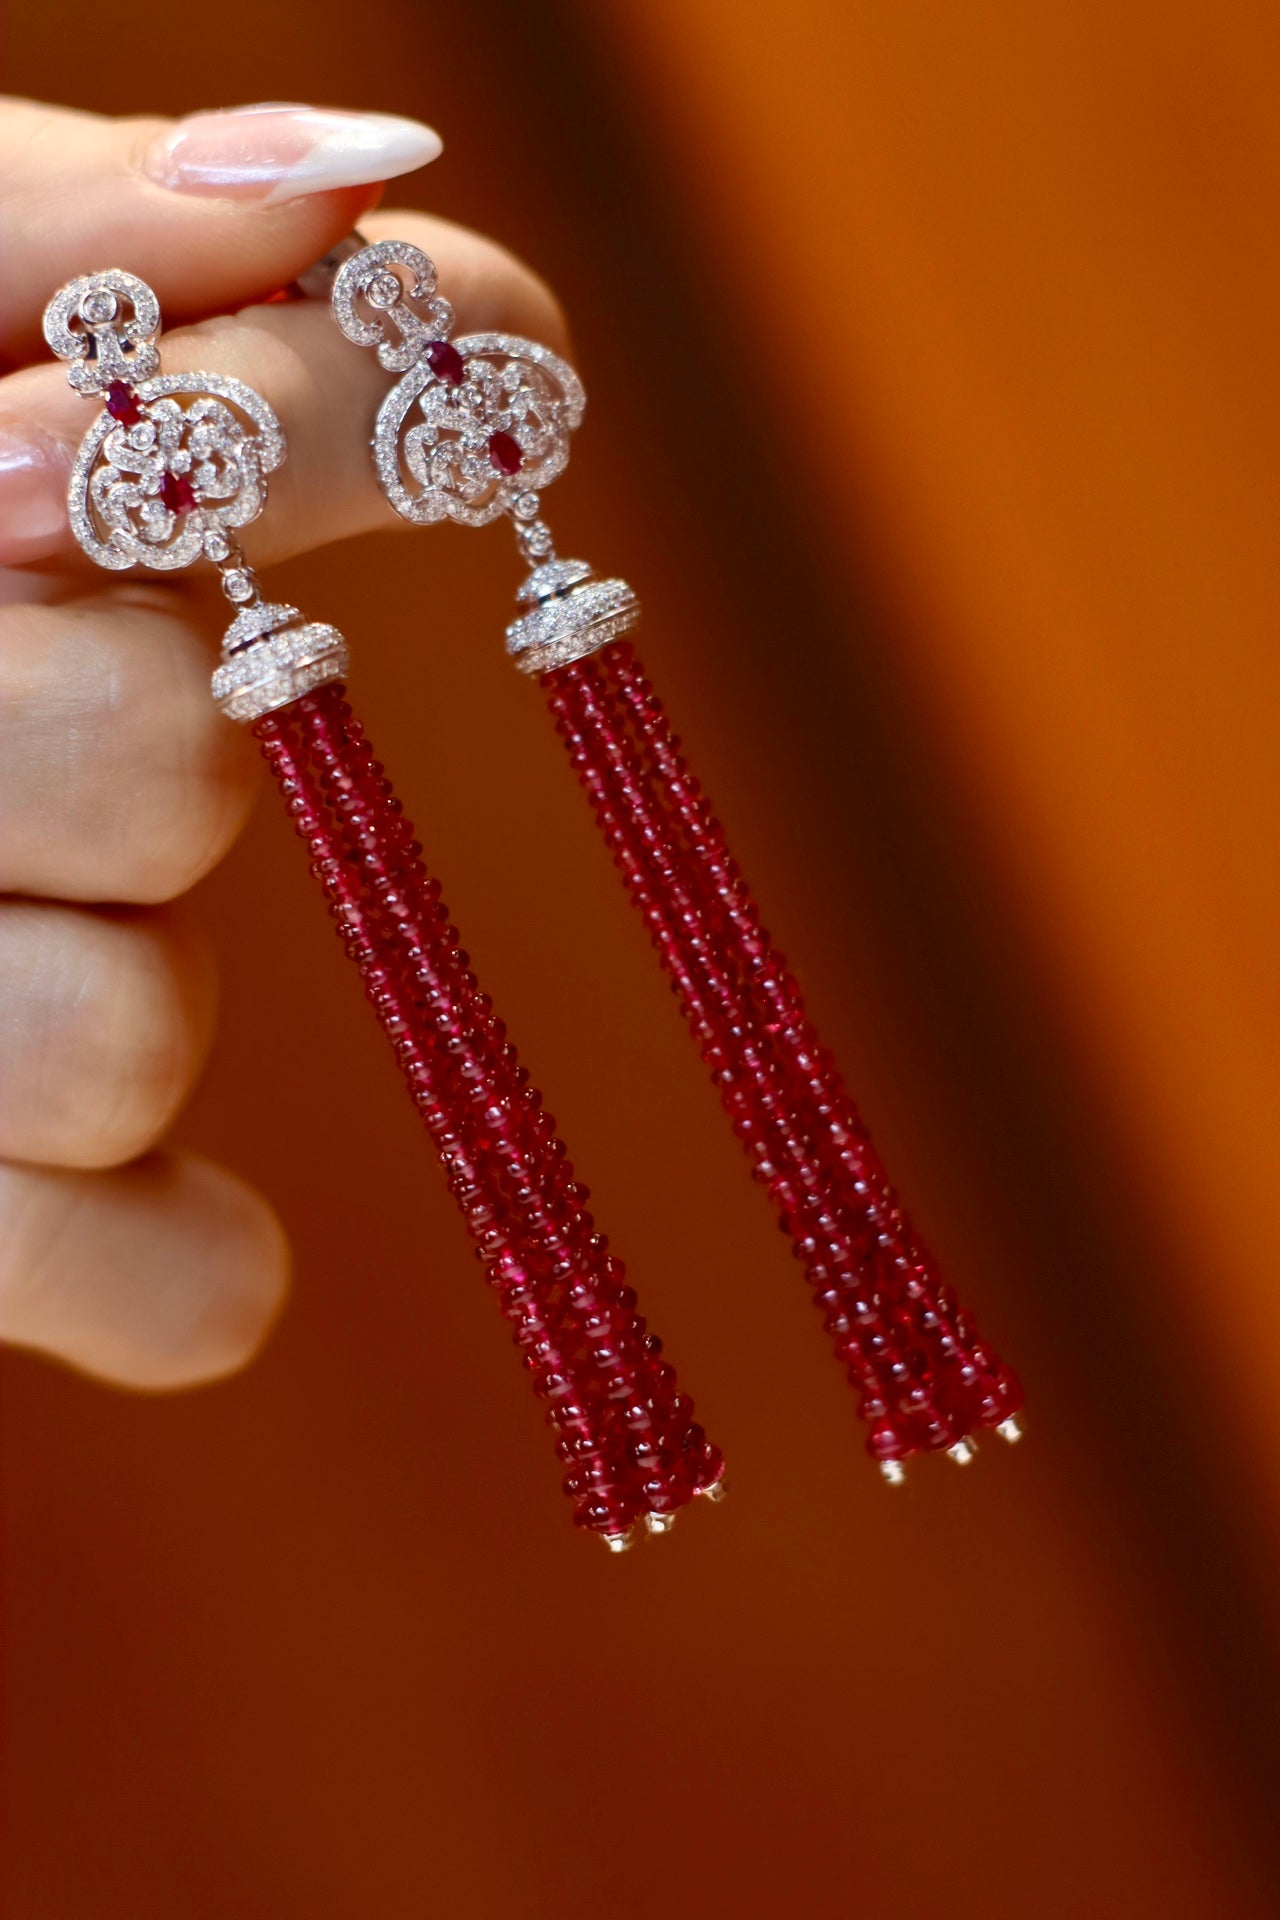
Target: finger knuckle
214 1323
183 783
164 1275
130 786
152 1046
124 1042
239 1307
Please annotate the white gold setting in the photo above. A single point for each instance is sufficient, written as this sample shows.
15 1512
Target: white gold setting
570 623
114 497
155 482
432 440
372 307
104 325
158 483
271 660
555 576
476 428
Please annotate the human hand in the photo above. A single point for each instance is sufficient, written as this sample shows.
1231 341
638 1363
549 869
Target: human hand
120 783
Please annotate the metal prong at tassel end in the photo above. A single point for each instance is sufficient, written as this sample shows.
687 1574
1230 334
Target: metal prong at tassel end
620 1542
1010 1430
962 1453
656 1523
893 1473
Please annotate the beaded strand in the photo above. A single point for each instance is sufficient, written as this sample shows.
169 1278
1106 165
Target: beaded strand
626 1433
924 1379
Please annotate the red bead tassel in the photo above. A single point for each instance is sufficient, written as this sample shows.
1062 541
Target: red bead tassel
626 1432
924 1378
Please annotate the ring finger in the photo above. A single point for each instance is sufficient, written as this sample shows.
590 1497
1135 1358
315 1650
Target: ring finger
119 779
105 1019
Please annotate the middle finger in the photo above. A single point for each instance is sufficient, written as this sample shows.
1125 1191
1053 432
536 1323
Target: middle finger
119 778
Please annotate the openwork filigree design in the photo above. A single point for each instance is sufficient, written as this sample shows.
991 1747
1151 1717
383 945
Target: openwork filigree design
478 425
152 492
105 325
372 305
155 482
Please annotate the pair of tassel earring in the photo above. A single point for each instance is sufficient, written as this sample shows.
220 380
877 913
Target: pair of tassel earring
474 430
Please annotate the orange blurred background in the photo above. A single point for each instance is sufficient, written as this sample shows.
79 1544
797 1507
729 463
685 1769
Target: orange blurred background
932 360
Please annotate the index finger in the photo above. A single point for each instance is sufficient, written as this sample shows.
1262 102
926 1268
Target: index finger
214 211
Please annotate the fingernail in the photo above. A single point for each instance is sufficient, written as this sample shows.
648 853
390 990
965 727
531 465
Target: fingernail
33 497
278 152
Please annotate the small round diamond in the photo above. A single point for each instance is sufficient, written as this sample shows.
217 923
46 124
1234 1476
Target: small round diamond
383 290
239 585
98 306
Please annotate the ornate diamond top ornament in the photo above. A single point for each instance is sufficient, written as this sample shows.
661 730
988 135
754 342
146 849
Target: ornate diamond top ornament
372 305
474 429
478 423
105 325
172 465
155 482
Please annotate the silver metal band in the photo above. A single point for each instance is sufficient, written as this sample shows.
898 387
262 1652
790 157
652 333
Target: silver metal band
573 616
272 656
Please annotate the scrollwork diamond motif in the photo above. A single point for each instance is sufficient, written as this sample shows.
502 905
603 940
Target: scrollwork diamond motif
469 431
104 325
158 477
152 493
438 443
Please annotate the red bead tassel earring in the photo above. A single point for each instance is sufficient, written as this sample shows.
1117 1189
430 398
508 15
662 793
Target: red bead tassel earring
161 484
475 429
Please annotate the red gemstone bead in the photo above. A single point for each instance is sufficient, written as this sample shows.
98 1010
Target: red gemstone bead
445 362
908 1348
505 453
562 1291
122 404
177 492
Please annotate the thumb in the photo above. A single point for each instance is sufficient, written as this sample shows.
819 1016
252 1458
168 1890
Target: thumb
214 211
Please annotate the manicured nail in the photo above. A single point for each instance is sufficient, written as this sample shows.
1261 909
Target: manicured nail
33 497
275 152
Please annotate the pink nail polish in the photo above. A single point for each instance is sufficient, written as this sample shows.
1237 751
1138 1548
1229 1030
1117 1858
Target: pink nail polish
278 152
33 497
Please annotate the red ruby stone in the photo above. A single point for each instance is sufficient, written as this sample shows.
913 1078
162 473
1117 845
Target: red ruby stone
505 453
122 404
177 493
445 362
